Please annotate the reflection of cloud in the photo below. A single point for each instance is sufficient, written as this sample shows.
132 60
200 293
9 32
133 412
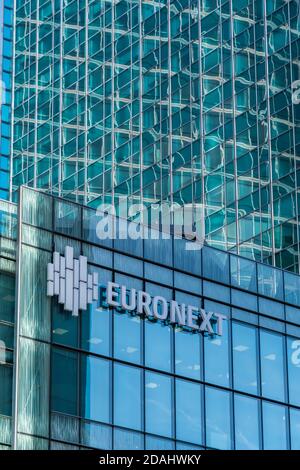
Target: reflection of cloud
151 385
271 357
131 350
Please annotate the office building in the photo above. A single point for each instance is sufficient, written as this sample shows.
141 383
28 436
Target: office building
188 101
105 378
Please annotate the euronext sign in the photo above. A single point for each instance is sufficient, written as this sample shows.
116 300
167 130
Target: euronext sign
68 278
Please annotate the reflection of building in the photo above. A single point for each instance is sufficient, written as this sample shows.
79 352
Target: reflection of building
6 21
107 379
180 101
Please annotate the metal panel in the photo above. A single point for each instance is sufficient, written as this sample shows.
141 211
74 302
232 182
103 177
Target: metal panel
69 290
83 268
82 295
69 257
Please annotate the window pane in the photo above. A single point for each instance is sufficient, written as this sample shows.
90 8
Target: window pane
129 440
246 423
188 412
270 282
218 428
243 273
158 404
274 426
95 330
64 326
187 353
95 389
215 264
295 428
244 357
64 386
158 443
67 218
7 296
216 358
127 337
292 288
6 390
293 354
158 345
127 397
272 366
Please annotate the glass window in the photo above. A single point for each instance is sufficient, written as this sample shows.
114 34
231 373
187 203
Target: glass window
35 319
246 414
158 345
127 396
128 244
129 265
216 357
96 435
218 427
64 326
272 365
95 388
244 358
185 282
271 308
295 428
67 218
159 250
292 314
129 440
293 356
97 255
91 220
6 373
64 386
34 387
95 330
127 337
215 264
185 259
158 404
188 411
155 289
216 291
274 426
158 274
158 443
129 281
270 281
64 428
187 353
243 273
187 299
244 300
37 208
7 296
292 288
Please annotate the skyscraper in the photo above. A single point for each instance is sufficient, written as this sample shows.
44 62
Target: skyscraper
186 101
6 18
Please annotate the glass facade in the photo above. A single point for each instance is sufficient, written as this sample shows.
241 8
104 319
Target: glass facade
109 379
186 101
6 46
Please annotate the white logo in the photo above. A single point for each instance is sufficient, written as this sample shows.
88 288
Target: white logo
69 279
